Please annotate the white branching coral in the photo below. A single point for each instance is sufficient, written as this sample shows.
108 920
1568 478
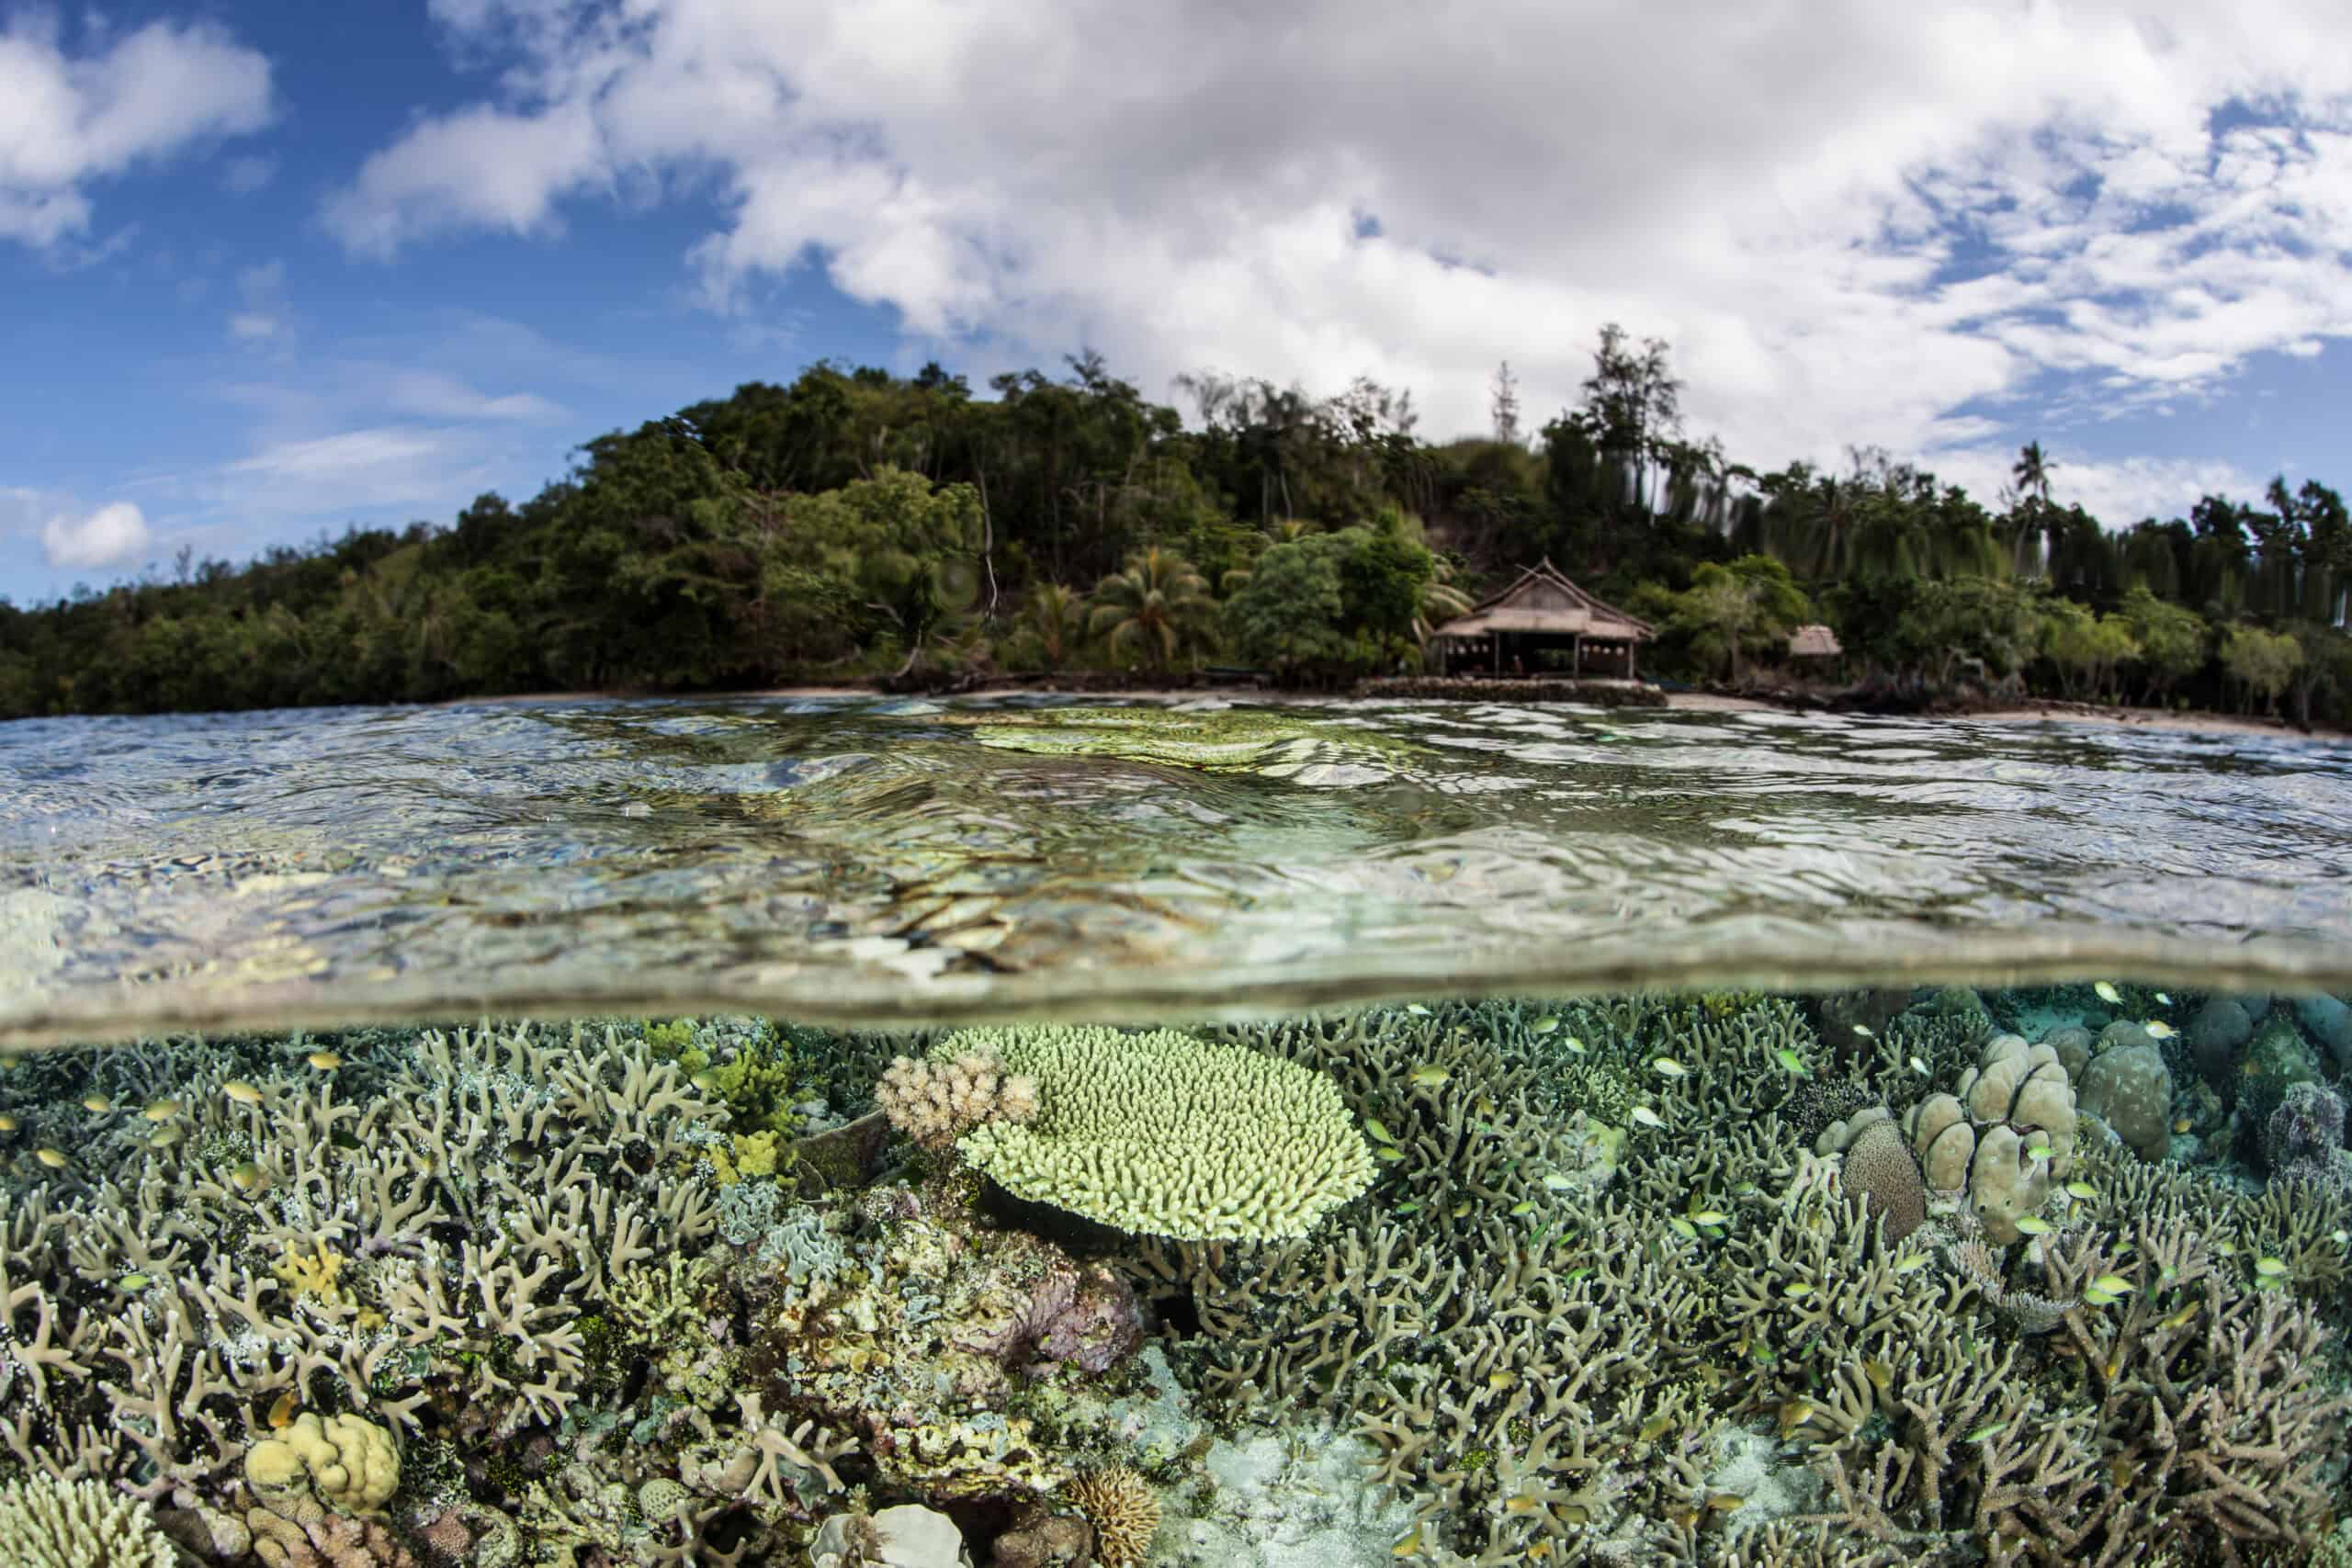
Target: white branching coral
936 1102
54 1524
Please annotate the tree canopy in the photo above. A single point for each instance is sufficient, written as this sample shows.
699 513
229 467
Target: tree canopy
853 523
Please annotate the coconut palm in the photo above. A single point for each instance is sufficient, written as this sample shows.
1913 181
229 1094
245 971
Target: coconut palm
1157 604
1056 615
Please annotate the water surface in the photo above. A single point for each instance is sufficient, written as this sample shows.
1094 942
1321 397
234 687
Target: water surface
854 860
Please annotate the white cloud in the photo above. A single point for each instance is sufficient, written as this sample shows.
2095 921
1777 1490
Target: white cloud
1850 219
264 319
67 118
242 176
431 395
353 456
2116 491
112 536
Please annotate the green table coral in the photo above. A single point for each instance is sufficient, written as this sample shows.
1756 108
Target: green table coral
1163 1134
1227 740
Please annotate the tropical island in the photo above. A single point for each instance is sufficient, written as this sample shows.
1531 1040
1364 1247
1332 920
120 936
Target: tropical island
860 528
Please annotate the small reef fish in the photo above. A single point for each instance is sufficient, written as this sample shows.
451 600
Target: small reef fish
1864 1031
1990 1429
1388 1152
135 1282
1682 1227
1374 1126
241 1093
2113 1285
2038 1148
2106 993
1881 1375
8 1123
2098 1298
2164 1001
160 1110
2271 1267
97 1102
1919 1066
1796 1290
2339 1236
1417 1010
2082 1190
163 1137
2159 1030
1790 1061
1429 1075
1524 1206
325 1061
1709 1217
281 1415
1548 1023
1653 1429
2178 1319
1668 1068
1575 1045
706 1080
1911 1263
54 1158
1557 1182
1645 1116
248 1178
2033 1224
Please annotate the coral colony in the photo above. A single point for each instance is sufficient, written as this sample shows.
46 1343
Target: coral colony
1880 1278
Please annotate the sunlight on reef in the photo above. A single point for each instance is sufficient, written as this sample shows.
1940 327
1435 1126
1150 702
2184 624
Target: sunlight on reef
1874 1276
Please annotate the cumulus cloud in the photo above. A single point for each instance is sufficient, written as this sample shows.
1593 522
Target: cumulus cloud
1853 222
67 118
112 536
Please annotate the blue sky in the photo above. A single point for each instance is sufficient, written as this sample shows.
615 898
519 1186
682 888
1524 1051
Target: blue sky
261 277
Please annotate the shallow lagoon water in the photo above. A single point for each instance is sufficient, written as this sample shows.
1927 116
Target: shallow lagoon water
859 860
1632 1024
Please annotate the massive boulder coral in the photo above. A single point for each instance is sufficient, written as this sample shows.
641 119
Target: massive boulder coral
2128 1087
1162 1133
2007 1131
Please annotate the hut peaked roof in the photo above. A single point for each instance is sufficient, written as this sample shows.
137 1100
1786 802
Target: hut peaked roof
1541 600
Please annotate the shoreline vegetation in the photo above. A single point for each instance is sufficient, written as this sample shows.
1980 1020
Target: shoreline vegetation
861 529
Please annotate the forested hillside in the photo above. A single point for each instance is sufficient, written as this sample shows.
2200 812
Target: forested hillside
856 524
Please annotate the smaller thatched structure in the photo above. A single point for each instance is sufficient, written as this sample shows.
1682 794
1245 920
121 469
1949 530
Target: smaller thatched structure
1815 642
1506 633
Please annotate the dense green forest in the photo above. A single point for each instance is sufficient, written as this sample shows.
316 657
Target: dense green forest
857 524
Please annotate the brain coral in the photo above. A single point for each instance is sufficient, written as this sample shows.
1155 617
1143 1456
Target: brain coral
2130 1088
1163 1134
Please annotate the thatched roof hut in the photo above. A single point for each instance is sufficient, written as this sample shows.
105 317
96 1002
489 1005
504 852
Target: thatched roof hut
1815 642
1542 609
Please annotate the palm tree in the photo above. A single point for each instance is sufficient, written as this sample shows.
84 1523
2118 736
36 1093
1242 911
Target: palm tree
1159 603
1056 615
2031 472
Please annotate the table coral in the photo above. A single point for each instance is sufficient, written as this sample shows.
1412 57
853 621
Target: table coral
1162 1134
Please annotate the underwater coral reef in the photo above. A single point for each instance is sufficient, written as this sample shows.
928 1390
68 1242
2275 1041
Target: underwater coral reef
1942 1276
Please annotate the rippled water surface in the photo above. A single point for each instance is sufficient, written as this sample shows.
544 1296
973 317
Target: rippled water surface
858 860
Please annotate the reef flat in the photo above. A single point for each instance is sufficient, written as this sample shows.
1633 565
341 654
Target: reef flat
1872 1278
